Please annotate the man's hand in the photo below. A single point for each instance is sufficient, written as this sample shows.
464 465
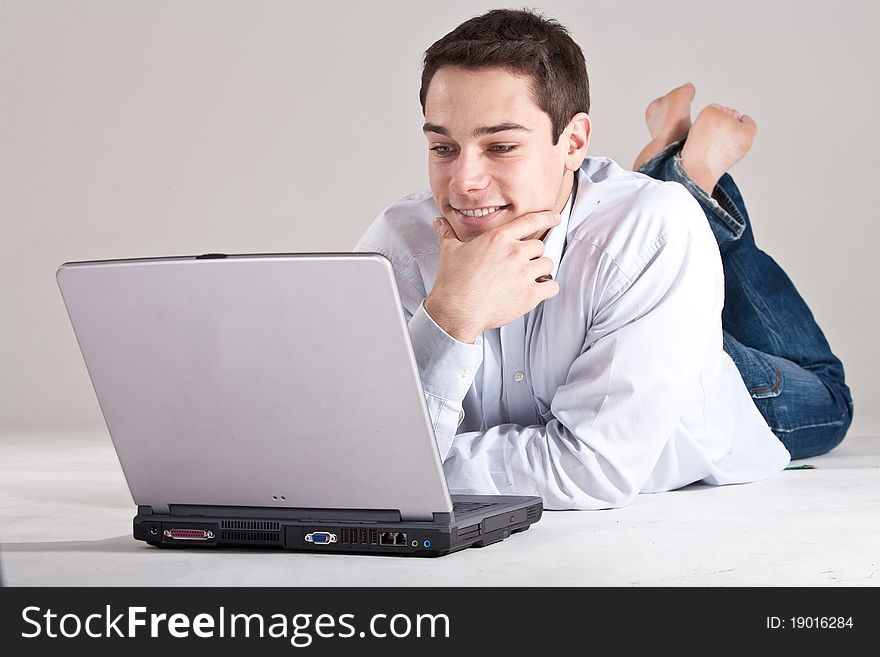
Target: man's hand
490 280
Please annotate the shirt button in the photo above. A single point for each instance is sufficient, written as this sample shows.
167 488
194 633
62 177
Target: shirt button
466 372
518 376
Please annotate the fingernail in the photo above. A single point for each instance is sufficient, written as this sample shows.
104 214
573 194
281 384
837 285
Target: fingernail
437 223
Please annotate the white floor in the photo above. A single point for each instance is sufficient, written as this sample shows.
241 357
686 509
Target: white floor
65 520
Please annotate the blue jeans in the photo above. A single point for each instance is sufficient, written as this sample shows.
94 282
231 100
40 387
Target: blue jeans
781 353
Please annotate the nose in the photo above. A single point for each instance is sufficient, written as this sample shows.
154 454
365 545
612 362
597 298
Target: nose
469 173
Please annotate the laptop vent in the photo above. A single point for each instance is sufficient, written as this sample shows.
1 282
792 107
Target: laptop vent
266 532
240 536
533 512
259 525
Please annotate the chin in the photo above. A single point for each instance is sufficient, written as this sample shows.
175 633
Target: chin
464 233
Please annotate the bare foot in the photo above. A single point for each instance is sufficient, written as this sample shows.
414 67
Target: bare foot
719 138
669 119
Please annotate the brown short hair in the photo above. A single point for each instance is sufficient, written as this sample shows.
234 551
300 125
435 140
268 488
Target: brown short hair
523 42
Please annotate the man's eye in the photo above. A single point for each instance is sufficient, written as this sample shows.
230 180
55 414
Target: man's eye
441 150
503 148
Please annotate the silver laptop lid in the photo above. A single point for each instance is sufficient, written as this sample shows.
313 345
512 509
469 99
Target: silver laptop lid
260 380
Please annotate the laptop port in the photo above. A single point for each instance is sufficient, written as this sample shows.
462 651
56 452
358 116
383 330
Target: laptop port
345 537
386 538
374 537
320 538
400 538
188 534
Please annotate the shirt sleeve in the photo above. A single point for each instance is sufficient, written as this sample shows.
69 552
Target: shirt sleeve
446 366
620 402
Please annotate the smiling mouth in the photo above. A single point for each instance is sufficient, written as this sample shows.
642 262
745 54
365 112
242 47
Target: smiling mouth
479 215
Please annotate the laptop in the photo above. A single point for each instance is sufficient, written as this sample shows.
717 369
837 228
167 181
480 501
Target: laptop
272 400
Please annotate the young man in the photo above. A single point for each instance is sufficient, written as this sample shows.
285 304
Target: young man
565 313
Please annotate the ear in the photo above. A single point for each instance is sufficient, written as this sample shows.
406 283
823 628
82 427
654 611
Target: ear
577 138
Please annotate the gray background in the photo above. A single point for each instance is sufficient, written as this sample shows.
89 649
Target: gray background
145 128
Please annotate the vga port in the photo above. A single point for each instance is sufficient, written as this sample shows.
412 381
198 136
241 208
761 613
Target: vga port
320 538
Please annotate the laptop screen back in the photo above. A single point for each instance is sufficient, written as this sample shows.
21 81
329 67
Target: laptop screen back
265 381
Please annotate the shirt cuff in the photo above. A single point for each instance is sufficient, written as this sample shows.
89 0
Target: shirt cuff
446 366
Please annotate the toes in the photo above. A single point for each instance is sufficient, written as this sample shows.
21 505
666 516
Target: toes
727 110
708 110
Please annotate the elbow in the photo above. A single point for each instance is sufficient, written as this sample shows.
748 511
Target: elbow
583 479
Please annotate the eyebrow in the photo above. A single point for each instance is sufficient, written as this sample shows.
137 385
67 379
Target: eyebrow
478 132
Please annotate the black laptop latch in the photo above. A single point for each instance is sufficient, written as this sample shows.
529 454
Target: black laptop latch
211 256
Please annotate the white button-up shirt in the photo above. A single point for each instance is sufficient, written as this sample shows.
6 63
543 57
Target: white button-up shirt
617 385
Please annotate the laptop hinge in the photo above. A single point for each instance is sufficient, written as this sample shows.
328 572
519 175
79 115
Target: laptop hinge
357 515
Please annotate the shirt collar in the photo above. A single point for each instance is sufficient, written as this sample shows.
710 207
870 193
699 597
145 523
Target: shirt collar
555 240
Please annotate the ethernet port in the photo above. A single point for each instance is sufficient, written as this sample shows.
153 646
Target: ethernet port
386 538
400 538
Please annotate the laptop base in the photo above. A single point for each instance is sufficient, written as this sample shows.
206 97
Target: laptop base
213 527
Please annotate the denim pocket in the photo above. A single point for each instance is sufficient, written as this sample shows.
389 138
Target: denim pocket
770 384
762 376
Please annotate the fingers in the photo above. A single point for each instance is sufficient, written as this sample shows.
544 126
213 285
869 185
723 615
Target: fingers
546 290
541 267
529 224
445 233
546 287
530 249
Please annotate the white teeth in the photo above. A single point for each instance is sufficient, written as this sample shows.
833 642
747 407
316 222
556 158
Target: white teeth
480 212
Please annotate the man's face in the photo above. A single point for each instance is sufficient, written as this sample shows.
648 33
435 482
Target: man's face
491 156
